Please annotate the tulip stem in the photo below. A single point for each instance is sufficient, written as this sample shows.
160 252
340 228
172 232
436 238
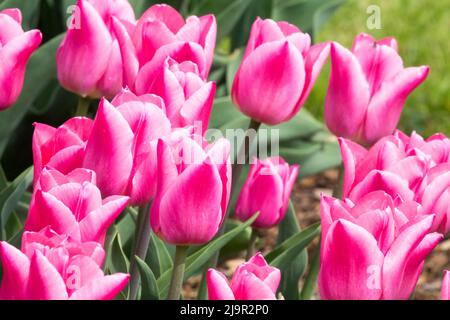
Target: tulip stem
311 279
179 266
83 107
251 250
140 248
244 152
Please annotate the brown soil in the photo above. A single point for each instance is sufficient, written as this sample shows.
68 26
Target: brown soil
306 199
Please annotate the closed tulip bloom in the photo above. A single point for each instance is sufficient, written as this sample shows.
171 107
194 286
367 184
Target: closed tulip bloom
16 47
60 148
445 289
267 190
73 208
90 61
277 72
161 25
188 98
54 267
410 167
253 280
194 181
122 146
368 89
372 249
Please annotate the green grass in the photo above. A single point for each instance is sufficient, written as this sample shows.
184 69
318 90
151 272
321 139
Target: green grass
422 30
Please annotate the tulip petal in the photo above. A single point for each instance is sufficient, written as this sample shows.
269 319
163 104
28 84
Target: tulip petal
352 154
348 94
191 206
386 105
445 290
218 287
105 288
108 151
80 52
269 82
45 283
346 274
16 267
402 262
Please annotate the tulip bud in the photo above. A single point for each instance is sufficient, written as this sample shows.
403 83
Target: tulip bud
372 249
162 25
445 289
60 148
267 191
122 146
16 47
277 72
253 280
368 89
90 61
54 267
194 181
71 207
188 99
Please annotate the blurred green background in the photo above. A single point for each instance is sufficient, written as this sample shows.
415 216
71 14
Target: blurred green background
422 30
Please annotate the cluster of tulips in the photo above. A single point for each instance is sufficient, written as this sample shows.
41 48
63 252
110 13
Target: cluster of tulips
146 145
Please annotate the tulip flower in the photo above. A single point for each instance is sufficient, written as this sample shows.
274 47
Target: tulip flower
368 89
253 280
74 208
53 267
267 191
16 47
372 249
445 290
60 148
161 26
409 167
188 99
122 146
194 181
277 72
90 61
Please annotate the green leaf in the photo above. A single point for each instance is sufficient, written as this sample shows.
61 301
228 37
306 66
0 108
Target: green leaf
291 274
41 70
118 261
29 9
308 15
283 255
311 279
149 286
11 195
158 256
195 261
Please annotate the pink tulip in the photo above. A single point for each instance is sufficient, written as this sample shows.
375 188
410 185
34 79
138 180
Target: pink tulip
60 148
409 167
188 99
122 146
372 249
445 290
253 280
368 89
16 47
53 267
278 71
267 191
74 206
194 181
90 60
161 26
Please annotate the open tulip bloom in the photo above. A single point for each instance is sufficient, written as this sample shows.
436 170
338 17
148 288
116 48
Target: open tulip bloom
368 89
